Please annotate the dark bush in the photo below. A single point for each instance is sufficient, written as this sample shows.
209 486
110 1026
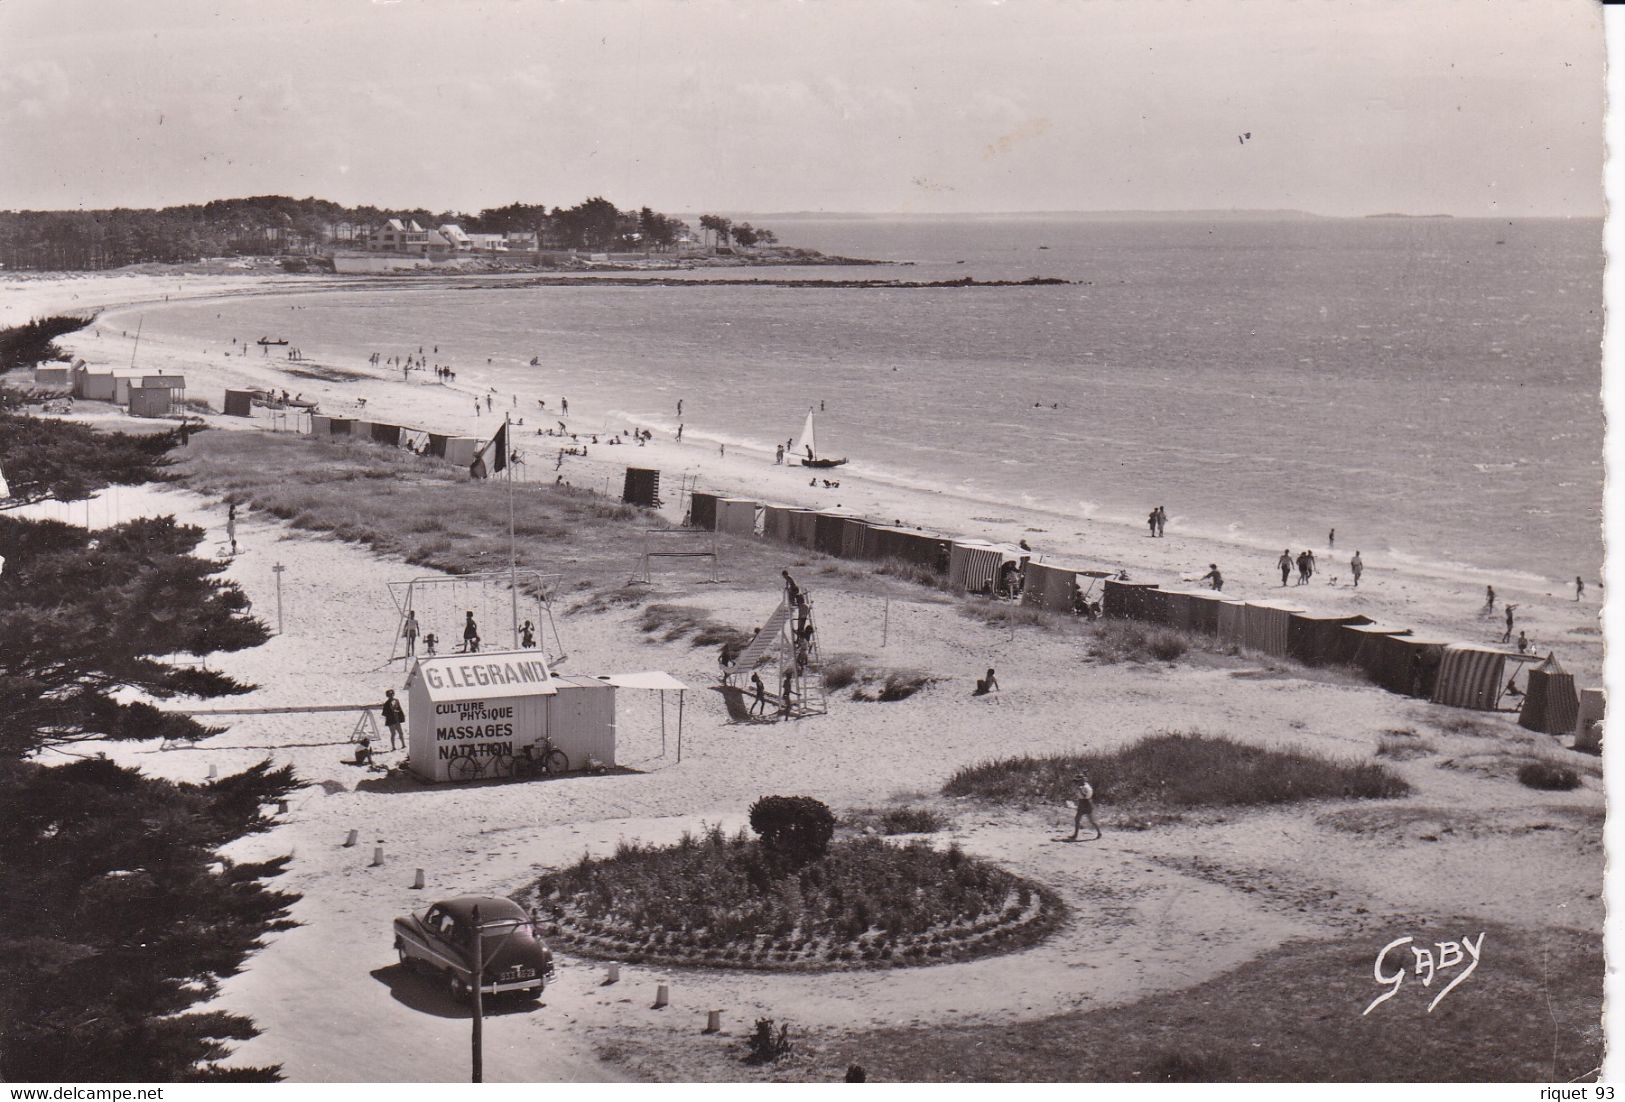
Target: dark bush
767 1044
797 828
1540 774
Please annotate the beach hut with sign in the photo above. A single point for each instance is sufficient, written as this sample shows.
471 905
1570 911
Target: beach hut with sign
465 712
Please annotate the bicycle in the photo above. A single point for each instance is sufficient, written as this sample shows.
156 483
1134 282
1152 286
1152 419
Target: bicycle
467 767
543 759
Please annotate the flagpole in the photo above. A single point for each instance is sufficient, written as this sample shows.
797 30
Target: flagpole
513 552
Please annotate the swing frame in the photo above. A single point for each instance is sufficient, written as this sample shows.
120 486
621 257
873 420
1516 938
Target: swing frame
540 591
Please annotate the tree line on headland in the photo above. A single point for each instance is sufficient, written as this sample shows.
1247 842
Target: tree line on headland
277 225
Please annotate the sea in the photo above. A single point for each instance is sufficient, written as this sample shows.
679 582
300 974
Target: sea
1429 388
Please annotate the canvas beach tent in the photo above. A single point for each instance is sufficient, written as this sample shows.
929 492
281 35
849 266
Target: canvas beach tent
1351 639
1313 637
1202 610
702 511
736 515
1268 627
1588 725
1405 664
1470 676
829 532
803 527
1055 587
974 565
1551 705
854 535
1232 622
1124 600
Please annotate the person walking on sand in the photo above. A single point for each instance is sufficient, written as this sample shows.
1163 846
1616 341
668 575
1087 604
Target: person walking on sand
1489 598
1331 540
1151 522
471 635
1579 587
1162 521
231 527
1303 567
409 632
722 449
1285 563
1083 793
679 407
1356 567
1309 558
758 704
393 718
564 404
679 433
1507 636
487 401
778 459
1213 576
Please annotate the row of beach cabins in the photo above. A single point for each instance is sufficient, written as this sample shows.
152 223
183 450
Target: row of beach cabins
1463 675
142 393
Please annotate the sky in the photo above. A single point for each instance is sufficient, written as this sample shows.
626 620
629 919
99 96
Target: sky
912 106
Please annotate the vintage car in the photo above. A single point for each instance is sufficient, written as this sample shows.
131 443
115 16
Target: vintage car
440 942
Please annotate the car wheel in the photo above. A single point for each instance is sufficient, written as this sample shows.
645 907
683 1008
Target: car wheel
406 961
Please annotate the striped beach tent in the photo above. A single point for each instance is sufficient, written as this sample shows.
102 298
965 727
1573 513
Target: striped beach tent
702 511
854 534
1407 664
1268 627
1313 637
973 565
1550 703
829 532
1232 623
803 527
736 515
776 523
1470 676
881 541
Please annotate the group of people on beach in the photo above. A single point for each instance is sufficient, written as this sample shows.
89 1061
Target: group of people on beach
1157 521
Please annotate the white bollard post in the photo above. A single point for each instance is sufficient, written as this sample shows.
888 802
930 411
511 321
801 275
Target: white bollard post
612 975
713 1021
662 997
355 836
214 773
417 881
282 807
377 856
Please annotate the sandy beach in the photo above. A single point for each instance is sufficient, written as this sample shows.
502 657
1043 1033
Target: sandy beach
1155 910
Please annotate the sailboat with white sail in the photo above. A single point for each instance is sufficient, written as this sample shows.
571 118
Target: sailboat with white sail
808 446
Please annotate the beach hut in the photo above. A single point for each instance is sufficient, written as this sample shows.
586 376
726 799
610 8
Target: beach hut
92 385
925 549
1407 664
1051 586
736 515
702 511
803 527
53 375
151 401
460 450
1470 676
1350 640
1202 610
122 382
1124 600
320 425
776 523
340 426
1588 726
642 487
239 403
1313 637
974 565
1550 703
464 710
829 531
437 445
1231 619
388 435
1268 626
854 535
1157 606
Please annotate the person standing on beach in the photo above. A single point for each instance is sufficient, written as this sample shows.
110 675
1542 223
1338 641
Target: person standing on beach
760 701
231 527
471 635
476 407
1523 643
1162 521
1579 587
1083 793
409 632
1213 577
1309 557
1331 540
1285 563
1489 597
564 404
1507 637
393 718
679 407
1356 567
1303 567
527 635
1151 522
779 460
786 689
487 402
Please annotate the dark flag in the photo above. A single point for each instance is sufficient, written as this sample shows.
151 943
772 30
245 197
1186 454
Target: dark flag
493 457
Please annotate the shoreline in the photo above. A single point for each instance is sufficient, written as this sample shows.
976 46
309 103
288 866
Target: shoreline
1432 598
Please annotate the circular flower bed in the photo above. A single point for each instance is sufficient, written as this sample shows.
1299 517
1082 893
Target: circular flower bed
728 902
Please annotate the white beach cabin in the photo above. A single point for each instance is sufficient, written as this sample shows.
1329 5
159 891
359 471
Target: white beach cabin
495 704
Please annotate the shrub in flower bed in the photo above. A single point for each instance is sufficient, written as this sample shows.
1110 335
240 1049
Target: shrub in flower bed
732 902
